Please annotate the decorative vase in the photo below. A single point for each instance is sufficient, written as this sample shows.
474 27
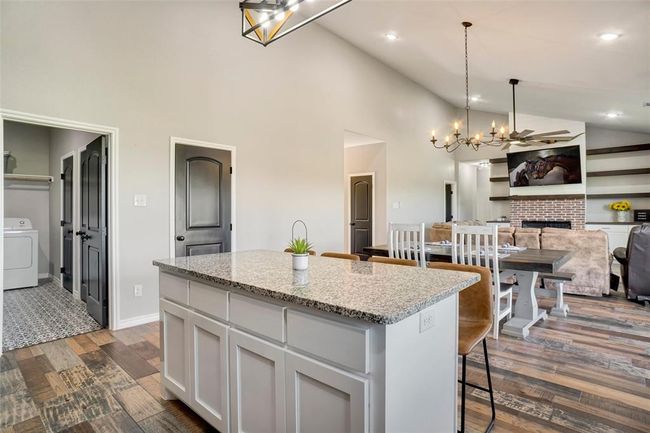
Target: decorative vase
621 216
300 261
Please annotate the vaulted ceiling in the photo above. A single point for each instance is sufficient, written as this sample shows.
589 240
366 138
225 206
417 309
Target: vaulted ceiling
553 47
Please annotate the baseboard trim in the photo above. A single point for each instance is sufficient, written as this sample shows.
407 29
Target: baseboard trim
138 320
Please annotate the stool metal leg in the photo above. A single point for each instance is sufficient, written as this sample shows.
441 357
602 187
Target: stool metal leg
489 390
489 378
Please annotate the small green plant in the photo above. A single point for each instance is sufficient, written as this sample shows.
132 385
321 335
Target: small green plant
300 246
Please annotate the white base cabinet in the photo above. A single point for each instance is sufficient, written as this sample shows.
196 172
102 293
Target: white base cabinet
257 394
300 370
321 398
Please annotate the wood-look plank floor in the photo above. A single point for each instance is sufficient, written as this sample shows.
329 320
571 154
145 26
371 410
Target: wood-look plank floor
589 372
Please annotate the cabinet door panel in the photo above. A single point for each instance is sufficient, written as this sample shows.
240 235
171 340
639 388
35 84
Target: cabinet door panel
209 370
175 350
257 385
321 398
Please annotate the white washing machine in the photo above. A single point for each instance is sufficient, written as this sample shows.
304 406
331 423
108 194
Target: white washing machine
20 254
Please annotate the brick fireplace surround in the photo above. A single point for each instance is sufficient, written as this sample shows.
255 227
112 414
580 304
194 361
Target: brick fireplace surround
548 209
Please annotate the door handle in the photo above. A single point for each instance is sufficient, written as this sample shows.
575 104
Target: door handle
353 224
80 233
180 238
70 231
85 237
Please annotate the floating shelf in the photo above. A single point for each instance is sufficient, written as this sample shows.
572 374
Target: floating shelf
538 197
29 177
498 160
619 149
621 195
629 172
499 179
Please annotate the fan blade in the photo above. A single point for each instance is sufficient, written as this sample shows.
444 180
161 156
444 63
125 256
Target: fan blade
526 132
545 134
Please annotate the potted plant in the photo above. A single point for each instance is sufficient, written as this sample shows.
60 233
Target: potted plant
300 253
622 208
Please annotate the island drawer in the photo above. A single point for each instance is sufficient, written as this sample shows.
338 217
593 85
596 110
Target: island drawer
209 300
339 342
173 288
261 317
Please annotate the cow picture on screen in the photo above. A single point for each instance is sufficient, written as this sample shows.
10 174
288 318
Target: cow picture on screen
557 166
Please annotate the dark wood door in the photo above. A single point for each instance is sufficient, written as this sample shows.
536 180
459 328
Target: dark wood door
448 200
360 213
203 182
93 233
66 223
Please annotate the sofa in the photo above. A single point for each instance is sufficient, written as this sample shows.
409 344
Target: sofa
590 262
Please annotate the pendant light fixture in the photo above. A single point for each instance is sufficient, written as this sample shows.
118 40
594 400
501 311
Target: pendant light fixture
468 140
266 21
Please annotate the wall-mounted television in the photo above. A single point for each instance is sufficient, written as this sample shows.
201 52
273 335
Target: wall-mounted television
542 167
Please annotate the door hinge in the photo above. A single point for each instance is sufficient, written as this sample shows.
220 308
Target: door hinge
103 159
230 170
230 227
62 223
62 176
62 270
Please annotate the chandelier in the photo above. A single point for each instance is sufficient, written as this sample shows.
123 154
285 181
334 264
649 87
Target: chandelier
476 141
266 21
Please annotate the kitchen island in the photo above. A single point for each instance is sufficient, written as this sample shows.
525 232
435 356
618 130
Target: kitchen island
253 346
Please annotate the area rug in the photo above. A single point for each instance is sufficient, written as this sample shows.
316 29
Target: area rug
41 314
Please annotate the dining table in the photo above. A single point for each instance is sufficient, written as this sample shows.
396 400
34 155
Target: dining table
525 264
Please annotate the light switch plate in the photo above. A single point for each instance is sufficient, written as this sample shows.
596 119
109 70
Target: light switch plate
140 200
396 205
137 290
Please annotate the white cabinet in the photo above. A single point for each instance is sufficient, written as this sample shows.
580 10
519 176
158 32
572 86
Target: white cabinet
175 349
617 234
209 370
324 399
257 393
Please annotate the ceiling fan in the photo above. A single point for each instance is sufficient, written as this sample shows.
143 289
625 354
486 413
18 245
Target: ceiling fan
526 137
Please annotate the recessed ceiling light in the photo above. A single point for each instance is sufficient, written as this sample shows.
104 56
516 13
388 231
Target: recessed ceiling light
613 115
608 36
475 98
391 36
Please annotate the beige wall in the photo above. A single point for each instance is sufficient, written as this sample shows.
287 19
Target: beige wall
370 158
161 69
30 149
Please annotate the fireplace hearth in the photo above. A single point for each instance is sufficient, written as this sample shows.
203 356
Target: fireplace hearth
544 224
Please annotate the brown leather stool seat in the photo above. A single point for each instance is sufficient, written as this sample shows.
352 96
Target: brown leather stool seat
474 324
341 256
392 261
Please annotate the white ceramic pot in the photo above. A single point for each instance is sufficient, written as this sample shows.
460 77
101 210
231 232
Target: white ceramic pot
621 216
300 261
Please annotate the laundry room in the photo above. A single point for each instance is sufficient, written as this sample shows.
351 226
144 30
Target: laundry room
43 234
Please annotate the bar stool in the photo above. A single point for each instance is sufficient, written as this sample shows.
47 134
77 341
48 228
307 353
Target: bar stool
393 261
341 256
310 252
474 323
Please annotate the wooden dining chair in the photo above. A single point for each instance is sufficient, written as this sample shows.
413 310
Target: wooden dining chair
392 261
475 306
310 252
478 245
406 241
346 256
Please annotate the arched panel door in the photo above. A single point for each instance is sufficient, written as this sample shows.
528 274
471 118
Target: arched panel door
360 213
203 181
94 230
66 223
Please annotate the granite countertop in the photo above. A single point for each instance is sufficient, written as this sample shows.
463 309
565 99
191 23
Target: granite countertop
372 292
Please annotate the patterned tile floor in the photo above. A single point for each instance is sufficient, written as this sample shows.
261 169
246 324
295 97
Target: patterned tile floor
44 313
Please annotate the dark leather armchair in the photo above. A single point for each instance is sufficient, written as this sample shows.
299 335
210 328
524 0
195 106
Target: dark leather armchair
635 263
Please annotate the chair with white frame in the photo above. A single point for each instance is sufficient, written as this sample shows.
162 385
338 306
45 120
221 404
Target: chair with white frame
478 245
406 241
